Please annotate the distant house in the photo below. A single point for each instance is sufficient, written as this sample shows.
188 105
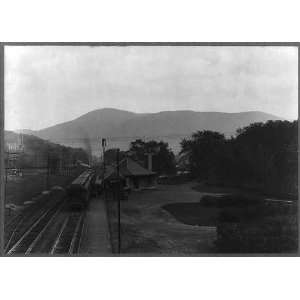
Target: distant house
132 174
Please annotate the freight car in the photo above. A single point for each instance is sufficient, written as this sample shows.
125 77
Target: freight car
80 190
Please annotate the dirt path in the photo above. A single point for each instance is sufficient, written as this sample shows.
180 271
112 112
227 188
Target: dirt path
148 228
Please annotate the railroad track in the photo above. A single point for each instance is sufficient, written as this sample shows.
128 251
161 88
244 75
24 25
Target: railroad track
35 230
69 237
26 242
17 226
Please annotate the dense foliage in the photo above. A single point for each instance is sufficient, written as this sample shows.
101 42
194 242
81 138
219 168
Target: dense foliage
163 160
262 156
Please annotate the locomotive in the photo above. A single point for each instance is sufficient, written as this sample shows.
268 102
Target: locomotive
80 190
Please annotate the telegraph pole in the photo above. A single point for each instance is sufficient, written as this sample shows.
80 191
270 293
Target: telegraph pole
119 201
48 170
103 174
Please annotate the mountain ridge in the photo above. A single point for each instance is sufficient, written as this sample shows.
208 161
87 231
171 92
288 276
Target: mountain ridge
110 123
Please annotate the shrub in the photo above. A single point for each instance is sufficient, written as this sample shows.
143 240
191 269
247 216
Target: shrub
231 200
269 235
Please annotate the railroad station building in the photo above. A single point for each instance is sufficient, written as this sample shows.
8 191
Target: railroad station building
133 175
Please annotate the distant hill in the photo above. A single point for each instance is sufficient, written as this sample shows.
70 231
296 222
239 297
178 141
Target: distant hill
121 127
35 150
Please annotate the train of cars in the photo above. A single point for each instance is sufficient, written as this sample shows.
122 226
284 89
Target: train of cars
87 184
81 189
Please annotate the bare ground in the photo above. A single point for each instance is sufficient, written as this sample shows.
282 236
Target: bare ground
148 228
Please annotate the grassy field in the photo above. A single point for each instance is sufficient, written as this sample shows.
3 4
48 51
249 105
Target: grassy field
173 220
148 228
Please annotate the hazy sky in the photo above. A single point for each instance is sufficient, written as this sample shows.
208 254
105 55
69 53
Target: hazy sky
46 85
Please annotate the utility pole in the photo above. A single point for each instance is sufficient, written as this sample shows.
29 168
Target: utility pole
60 167
103 174
119 201
48 170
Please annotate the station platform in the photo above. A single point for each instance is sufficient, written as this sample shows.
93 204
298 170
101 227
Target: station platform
95 237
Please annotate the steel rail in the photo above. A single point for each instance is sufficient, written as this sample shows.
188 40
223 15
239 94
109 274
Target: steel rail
75 235
30 229
13 232
81 235
15 222
54 247
39 236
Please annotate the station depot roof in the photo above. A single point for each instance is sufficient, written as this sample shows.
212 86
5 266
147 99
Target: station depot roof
127 167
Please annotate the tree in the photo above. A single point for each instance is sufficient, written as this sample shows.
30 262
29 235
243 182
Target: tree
262 156
205 151
269 155
163 159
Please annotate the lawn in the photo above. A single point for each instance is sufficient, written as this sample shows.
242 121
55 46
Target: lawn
147 228
173 221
